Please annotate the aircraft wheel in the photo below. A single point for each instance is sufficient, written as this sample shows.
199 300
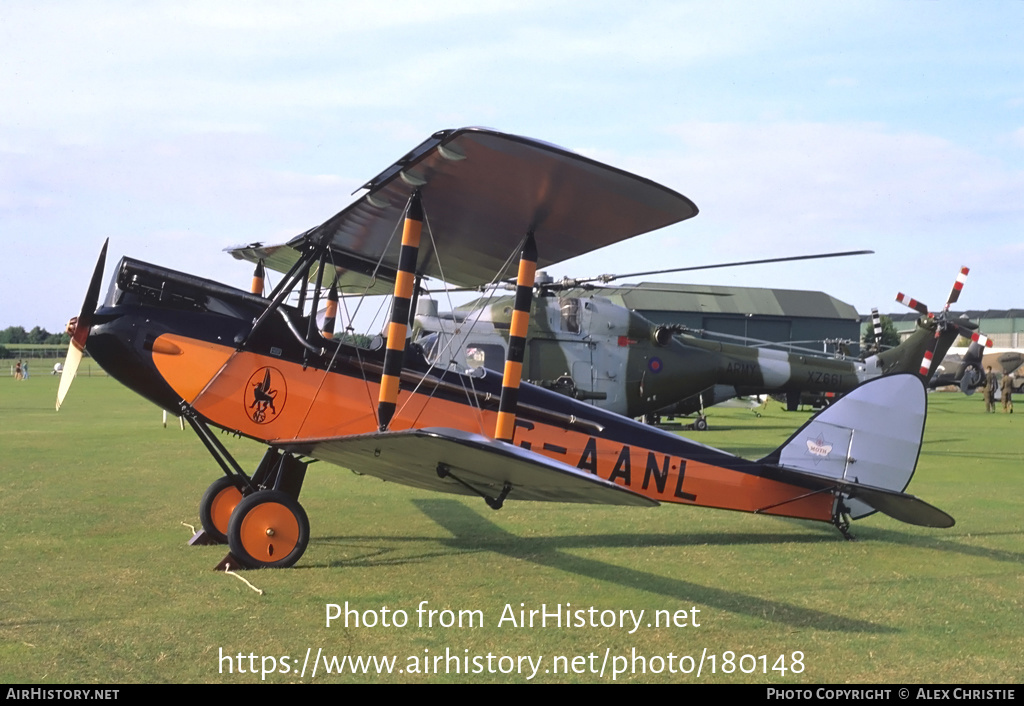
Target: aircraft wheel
268 529
701 424
215 508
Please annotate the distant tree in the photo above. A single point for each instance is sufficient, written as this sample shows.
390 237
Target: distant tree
890 337
360 340
17 334
37 335
13 334
4 353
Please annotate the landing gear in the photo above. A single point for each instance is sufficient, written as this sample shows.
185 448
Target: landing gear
215 508
792 401
701 423
259 518
268 529
841 519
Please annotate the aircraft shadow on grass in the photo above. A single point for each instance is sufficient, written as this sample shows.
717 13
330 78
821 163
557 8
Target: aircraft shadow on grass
948 544
472 533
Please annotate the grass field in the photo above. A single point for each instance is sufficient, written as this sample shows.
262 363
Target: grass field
98 584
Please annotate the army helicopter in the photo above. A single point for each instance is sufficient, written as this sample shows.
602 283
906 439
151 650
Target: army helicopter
589 348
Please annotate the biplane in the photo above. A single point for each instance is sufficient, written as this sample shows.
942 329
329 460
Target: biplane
463 207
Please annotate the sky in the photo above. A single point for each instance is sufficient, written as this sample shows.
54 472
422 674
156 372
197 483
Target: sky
178 129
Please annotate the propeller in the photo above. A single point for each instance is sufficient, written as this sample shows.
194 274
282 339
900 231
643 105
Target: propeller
79 328
944 322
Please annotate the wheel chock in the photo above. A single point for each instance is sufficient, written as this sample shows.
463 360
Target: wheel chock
202 539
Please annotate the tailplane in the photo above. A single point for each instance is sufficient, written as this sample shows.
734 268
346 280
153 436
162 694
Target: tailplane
864 449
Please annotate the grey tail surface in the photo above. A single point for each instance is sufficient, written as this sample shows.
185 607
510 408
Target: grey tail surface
864 449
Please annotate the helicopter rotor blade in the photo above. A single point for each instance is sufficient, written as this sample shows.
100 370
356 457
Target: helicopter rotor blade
917 306
610 278
957 286
876 321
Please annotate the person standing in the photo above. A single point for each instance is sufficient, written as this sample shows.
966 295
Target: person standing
988 390
17 371
1006 388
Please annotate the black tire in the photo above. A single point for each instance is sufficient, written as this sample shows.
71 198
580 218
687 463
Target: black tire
268 529
701 424
216 507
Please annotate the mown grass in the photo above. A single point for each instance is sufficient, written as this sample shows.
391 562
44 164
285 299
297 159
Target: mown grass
98 584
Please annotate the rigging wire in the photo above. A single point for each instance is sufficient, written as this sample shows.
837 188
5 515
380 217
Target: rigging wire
471 393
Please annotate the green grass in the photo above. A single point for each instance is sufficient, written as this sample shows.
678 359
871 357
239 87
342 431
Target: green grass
98 584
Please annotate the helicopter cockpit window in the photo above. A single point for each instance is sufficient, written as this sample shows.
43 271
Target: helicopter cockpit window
570 314
485 355
429 344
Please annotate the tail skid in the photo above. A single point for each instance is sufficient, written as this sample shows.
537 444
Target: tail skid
864 450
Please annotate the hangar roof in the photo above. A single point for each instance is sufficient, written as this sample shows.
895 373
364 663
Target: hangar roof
991 321
716 299
973 314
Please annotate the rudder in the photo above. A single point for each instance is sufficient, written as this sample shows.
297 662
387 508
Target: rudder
865 448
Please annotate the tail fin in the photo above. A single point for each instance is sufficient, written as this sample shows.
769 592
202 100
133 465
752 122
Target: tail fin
1010 361
969 372
864 448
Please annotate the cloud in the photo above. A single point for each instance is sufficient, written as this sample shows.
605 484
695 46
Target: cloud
843 176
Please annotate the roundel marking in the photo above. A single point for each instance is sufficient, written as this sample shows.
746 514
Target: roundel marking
654 365
265 395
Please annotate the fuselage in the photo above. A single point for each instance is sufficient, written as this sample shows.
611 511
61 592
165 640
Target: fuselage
184 342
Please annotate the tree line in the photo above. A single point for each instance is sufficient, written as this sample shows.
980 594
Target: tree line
18 335
15 336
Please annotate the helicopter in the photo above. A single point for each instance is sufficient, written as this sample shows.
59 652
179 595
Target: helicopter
590 348
258 366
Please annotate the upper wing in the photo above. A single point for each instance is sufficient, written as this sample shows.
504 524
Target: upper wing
485 465
482 191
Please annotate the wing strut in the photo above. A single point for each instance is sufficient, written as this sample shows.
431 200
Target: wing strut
505 426
395 353
331 312
257 279
298 271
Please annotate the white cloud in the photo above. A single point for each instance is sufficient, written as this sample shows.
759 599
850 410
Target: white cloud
843 176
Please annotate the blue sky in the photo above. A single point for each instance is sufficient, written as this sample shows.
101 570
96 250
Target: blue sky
178 129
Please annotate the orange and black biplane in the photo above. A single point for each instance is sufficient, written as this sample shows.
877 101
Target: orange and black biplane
463 207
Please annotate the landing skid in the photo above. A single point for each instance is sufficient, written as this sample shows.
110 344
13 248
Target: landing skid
698 424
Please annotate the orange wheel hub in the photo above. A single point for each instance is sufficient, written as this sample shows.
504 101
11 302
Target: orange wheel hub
269 532
223 505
